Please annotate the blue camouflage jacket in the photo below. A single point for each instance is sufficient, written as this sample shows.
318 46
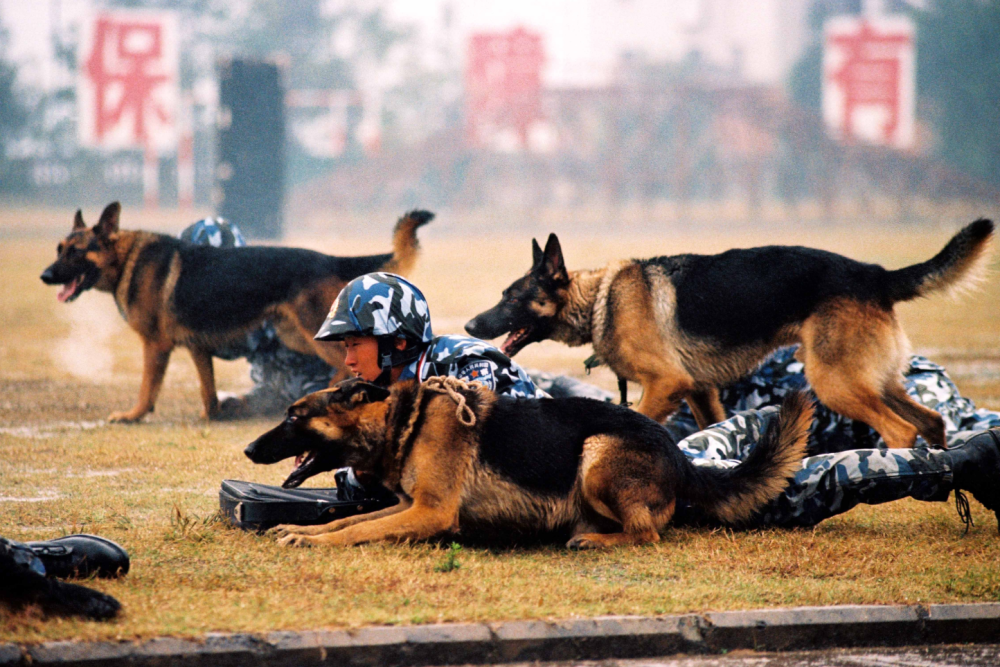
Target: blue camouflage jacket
472 360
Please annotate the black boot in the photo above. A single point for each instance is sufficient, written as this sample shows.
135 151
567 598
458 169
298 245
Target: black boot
24 582
81 556
975 466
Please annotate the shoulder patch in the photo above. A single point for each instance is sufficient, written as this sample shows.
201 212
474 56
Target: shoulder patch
479 371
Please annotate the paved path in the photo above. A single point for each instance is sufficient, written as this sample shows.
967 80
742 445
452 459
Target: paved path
924 656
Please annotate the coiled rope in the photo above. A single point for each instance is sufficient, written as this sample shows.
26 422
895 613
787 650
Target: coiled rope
455 389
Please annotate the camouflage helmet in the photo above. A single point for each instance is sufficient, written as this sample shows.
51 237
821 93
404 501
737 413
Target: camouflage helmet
379 304
217 232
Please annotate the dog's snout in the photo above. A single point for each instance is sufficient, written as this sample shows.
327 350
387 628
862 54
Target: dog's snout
472 327
48 276
250 450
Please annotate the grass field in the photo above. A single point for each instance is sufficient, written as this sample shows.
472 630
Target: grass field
153 487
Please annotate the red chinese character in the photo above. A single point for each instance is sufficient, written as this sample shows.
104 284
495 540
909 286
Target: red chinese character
125 55
870 74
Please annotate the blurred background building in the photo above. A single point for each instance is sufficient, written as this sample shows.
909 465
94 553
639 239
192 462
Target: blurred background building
670 110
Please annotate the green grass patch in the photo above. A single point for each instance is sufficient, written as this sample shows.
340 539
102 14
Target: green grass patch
153 487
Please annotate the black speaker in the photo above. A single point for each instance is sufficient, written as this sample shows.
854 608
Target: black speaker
250 174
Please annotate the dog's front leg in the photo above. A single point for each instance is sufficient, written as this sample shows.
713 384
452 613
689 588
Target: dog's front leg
155 356
283 530
421 521
662 395
206 375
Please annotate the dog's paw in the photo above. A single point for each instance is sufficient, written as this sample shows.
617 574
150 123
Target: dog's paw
283 530
295 540
581 542
130 417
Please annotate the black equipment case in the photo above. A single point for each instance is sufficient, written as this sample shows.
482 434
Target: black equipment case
257 507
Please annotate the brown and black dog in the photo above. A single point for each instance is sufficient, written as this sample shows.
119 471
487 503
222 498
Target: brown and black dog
200 297
684 325
464 459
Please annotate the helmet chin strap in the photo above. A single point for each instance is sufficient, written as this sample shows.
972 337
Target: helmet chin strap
385 348
389 356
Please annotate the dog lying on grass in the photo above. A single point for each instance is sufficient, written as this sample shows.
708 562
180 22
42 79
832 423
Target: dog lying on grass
203 298
463 459
685 325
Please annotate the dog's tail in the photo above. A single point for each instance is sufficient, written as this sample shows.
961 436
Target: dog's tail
733 495
960 266
405 246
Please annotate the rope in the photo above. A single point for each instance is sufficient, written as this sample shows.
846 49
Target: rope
454 389
964 513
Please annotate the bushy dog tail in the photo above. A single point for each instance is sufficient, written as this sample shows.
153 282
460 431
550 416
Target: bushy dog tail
405 246
959 267
733 495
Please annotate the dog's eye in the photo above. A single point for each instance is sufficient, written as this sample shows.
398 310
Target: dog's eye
291 419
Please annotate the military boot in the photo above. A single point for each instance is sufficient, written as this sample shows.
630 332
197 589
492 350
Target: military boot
975 467
79 556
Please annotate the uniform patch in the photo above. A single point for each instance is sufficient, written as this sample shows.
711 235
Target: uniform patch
479 371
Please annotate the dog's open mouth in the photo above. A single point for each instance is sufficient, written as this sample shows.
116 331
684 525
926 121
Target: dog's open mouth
302 471
516 340
72 289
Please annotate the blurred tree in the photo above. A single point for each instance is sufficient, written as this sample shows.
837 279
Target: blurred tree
13 113
958 75
805 82
304 36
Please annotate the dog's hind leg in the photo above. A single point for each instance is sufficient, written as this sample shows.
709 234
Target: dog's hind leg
929 424
706 407
640 525
155 356
618 483
206 375
852 351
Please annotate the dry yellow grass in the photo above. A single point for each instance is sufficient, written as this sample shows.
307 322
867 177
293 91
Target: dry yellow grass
152 486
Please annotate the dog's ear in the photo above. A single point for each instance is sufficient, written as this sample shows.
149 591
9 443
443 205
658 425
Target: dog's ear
552 264
366 392
78 222
108 224
536 254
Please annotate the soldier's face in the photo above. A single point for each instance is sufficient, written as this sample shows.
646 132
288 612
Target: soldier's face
362 357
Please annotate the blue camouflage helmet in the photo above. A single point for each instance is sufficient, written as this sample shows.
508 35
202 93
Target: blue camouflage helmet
217 232
379 304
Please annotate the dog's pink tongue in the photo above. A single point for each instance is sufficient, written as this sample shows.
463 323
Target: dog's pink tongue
298 461
509 342
68 289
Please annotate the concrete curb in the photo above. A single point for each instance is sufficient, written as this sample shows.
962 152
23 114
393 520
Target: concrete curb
585 639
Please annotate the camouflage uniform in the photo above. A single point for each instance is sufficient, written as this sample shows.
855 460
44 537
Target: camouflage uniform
474 360
389 307
850 462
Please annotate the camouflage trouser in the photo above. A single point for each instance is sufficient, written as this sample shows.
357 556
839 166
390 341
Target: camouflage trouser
563 386
840 476
283 376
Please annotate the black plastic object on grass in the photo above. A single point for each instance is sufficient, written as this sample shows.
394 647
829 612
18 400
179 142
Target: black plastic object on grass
258 507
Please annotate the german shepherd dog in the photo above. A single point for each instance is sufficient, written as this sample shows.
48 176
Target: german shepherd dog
175 293
495 467
684 325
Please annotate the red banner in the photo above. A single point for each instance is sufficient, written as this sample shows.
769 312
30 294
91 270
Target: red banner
503 86
128 83
868 79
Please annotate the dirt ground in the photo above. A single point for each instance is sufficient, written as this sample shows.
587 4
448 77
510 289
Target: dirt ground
153 486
